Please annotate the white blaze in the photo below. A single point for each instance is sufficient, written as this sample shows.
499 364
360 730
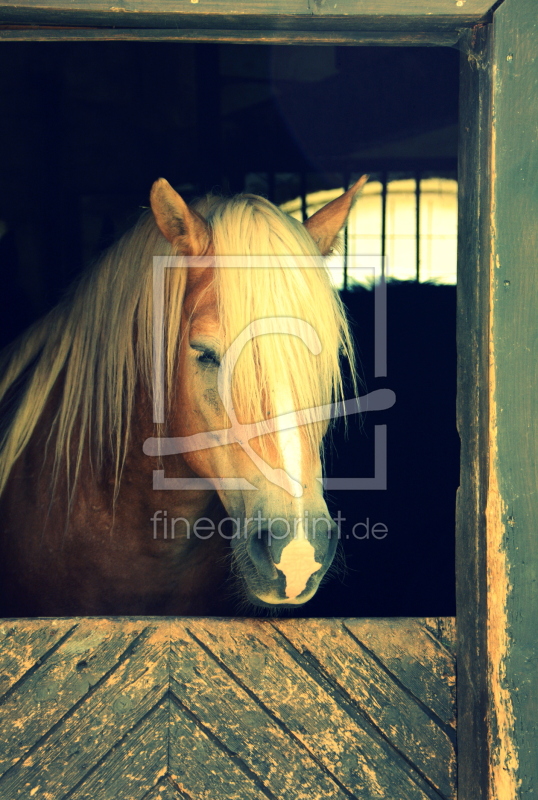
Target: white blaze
297 560
289 441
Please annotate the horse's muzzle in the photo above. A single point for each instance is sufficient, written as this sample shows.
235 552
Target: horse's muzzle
283 567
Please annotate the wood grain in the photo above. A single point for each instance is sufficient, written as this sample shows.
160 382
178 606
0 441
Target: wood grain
239 722
163 791
25 649
391 38
497 342
421 658
389 706
123 773
129 11
512 518
335 22
132 709
473 410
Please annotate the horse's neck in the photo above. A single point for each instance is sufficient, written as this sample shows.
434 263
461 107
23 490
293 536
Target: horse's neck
107 551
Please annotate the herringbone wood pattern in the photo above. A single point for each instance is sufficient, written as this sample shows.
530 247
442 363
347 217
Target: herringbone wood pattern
148 709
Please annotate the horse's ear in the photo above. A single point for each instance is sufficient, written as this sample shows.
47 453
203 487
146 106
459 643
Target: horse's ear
183 227
325 224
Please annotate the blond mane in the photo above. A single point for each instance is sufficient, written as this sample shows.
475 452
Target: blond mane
96 346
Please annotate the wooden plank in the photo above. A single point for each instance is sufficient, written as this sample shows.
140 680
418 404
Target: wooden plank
403 38
63 729
25 649
225 710
413 728
138 12
512 512
314 711
224 707
497 678
134 767
418 657
201 768
164 791
44 695
473 411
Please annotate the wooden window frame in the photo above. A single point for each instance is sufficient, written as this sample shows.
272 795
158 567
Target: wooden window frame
495 519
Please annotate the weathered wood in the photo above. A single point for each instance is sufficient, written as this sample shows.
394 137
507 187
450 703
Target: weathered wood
202 767
23 651
123 773
404 38
166 13
240 723
472 411
163 791
512 511
337 737
87 653
395 711
72 728
231 709
347 22
421 657
498 335
334 729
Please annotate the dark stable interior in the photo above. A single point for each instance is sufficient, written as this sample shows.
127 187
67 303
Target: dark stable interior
87 127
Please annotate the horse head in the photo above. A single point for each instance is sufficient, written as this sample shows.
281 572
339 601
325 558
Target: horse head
259 351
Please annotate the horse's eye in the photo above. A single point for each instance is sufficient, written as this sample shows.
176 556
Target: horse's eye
209 358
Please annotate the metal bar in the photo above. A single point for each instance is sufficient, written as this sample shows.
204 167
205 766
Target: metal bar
345 282
417 225
383 223
304 208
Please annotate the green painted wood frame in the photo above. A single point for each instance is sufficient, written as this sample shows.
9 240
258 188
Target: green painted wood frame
497 520
497 550
426 22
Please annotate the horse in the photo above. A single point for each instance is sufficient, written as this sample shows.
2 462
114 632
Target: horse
88 523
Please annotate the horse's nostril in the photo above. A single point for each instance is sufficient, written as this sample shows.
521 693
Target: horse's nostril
260 553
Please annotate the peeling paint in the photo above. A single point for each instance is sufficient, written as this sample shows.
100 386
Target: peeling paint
223 709
504 781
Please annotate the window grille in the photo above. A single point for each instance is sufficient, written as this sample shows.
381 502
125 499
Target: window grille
411 219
